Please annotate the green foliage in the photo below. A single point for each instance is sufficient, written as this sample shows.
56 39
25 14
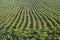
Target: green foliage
29 20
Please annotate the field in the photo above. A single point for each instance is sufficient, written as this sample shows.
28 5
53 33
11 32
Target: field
29 19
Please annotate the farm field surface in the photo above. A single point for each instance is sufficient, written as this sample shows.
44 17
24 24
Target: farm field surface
29 19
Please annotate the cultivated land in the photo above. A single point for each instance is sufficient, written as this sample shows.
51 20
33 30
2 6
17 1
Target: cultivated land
29 19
